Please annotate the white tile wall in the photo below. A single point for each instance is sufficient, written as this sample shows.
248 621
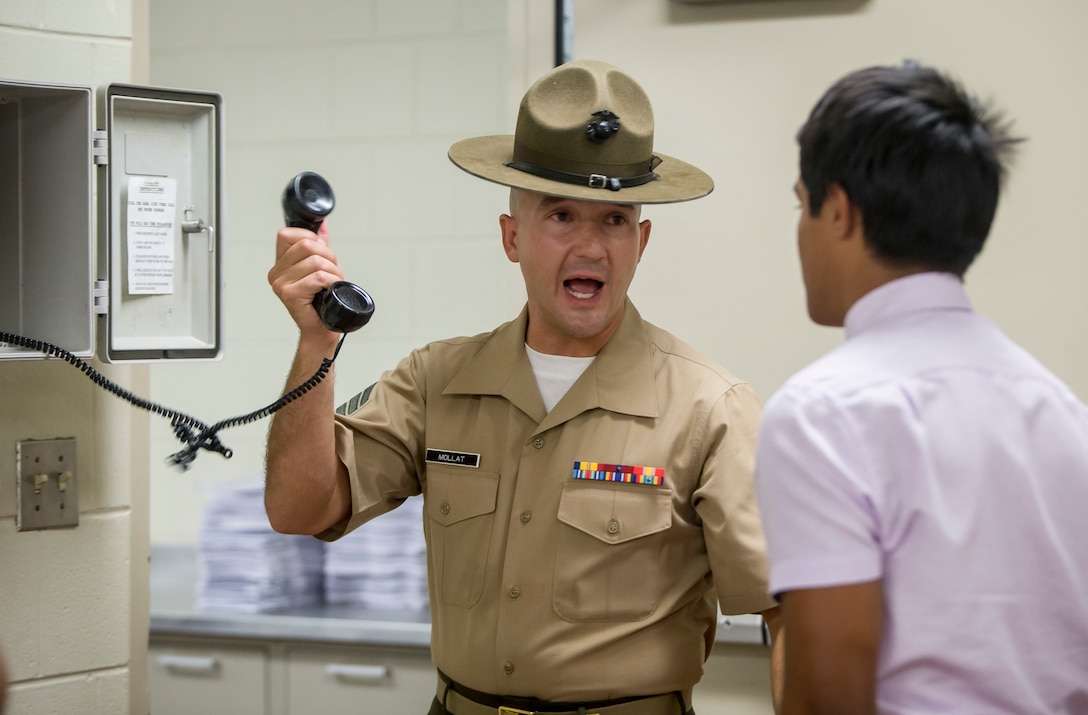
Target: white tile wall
68 598
480 16
456 91
371 95
105 18
80 631
40 56
375 94
66 592
112 18
409 20
100 693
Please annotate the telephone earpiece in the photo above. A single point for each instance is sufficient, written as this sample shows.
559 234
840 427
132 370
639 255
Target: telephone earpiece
344 307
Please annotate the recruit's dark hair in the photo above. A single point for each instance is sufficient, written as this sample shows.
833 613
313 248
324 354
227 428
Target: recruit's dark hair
922 160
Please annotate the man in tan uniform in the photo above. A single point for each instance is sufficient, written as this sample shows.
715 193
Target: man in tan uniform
587 477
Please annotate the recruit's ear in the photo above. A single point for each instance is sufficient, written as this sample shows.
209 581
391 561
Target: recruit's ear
844 214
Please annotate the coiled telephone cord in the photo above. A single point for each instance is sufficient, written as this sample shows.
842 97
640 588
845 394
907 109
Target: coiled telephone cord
196 435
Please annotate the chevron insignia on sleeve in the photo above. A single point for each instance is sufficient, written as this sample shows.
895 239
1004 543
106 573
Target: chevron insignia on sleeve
356 402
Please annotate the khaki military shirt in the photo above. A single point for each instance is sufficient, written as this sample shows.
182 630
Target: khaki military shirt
548 578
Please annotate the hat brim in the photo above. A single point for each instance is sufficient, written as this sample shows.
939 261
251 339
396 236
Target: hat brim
486 157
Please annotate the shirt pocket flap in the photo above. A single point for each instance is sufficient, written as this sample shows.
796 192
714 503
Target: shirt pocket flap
454 495
616 515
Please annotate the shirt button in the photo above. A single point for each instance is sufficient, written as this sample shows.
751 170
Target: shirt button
613 527
508 668
445 508
526 516
515 591
538 442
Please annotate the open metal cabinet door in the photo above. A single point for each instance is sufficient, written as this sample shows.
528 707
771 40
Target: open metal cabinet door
158 284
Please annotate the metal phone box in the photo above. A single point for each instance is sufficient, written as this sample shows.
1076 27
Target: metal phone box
139 279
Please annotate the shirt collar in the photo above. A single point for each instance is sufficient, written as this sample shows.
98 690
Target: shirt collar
620 379
911 294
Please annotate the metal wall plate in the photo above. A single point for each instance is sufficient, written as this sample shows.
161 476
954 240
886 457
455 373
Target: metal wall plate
46 491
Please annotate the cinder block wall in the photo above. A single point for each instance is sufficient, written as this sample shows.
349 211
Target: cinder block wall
73 602
370 94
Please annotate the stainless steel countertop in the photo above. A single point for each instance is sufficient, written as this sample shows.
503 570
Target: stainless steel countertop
173 612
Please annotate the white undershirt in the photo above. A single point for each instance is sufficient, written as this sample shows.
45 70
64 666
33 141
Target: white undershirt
555 374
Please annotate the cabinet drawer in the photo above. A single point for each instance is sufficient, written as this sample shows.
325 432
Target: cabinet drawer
359 681
736 680
186 679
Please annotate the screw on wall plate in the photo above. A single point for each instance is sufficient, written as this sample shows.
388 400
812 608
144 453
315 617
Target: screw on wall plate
46 487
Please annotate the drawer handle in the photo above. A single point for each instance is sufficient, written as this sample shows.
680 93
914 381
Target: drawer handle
358 673
188 664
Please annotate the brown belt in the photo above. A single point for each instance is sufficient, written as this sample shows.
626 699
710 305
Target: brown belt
459 704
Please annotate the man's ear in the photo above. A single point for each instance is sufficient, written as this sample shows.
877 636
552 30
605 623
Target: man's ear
508 225
844 214
643 236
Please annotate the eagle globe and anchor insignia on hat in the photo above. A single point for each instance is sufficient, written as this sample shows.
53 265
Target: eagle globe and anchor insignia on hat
585 130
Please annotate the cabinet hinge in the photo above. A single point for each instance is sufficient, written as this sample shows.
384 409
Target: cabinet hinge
101 296
100 148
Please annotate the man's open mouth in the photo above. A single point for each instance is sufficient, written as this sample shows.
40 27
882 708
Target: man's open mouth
583 287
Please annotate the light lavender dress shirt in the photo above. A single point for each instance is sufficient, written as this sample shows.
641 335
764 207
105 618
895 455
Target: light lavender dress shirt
930 452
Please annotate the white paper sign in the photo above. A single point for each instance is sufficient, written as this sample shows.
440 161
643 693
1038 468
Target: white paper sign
151 215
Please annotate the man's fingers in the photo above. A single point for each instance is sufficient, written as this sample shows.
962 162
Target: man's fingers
290 236
304 265
323 232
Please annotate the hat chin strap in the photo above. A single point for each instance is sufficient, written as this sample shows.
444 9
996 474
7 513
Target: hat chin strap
593 181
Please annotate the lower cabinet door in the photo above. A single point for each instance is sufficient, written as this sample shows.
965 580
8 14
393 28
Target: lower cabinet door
186 679
736 680
359 681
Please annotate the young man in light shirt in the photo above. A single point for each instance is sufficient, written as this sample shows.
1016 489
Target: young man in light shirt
923 486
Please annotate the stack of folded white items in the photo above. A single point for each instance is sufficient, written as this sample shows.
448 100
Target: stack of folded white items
245 566
382 565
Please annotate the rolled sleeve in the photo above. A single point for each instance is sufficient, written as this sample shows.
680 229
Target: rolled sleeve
816 495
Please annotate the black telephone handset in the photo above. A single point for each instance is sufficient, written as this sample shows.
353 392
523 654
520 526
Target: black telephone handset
344 307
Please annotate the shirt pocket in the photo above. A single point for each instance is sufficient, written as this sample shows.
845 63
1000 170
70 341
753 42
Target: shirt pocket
609 552
460 506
